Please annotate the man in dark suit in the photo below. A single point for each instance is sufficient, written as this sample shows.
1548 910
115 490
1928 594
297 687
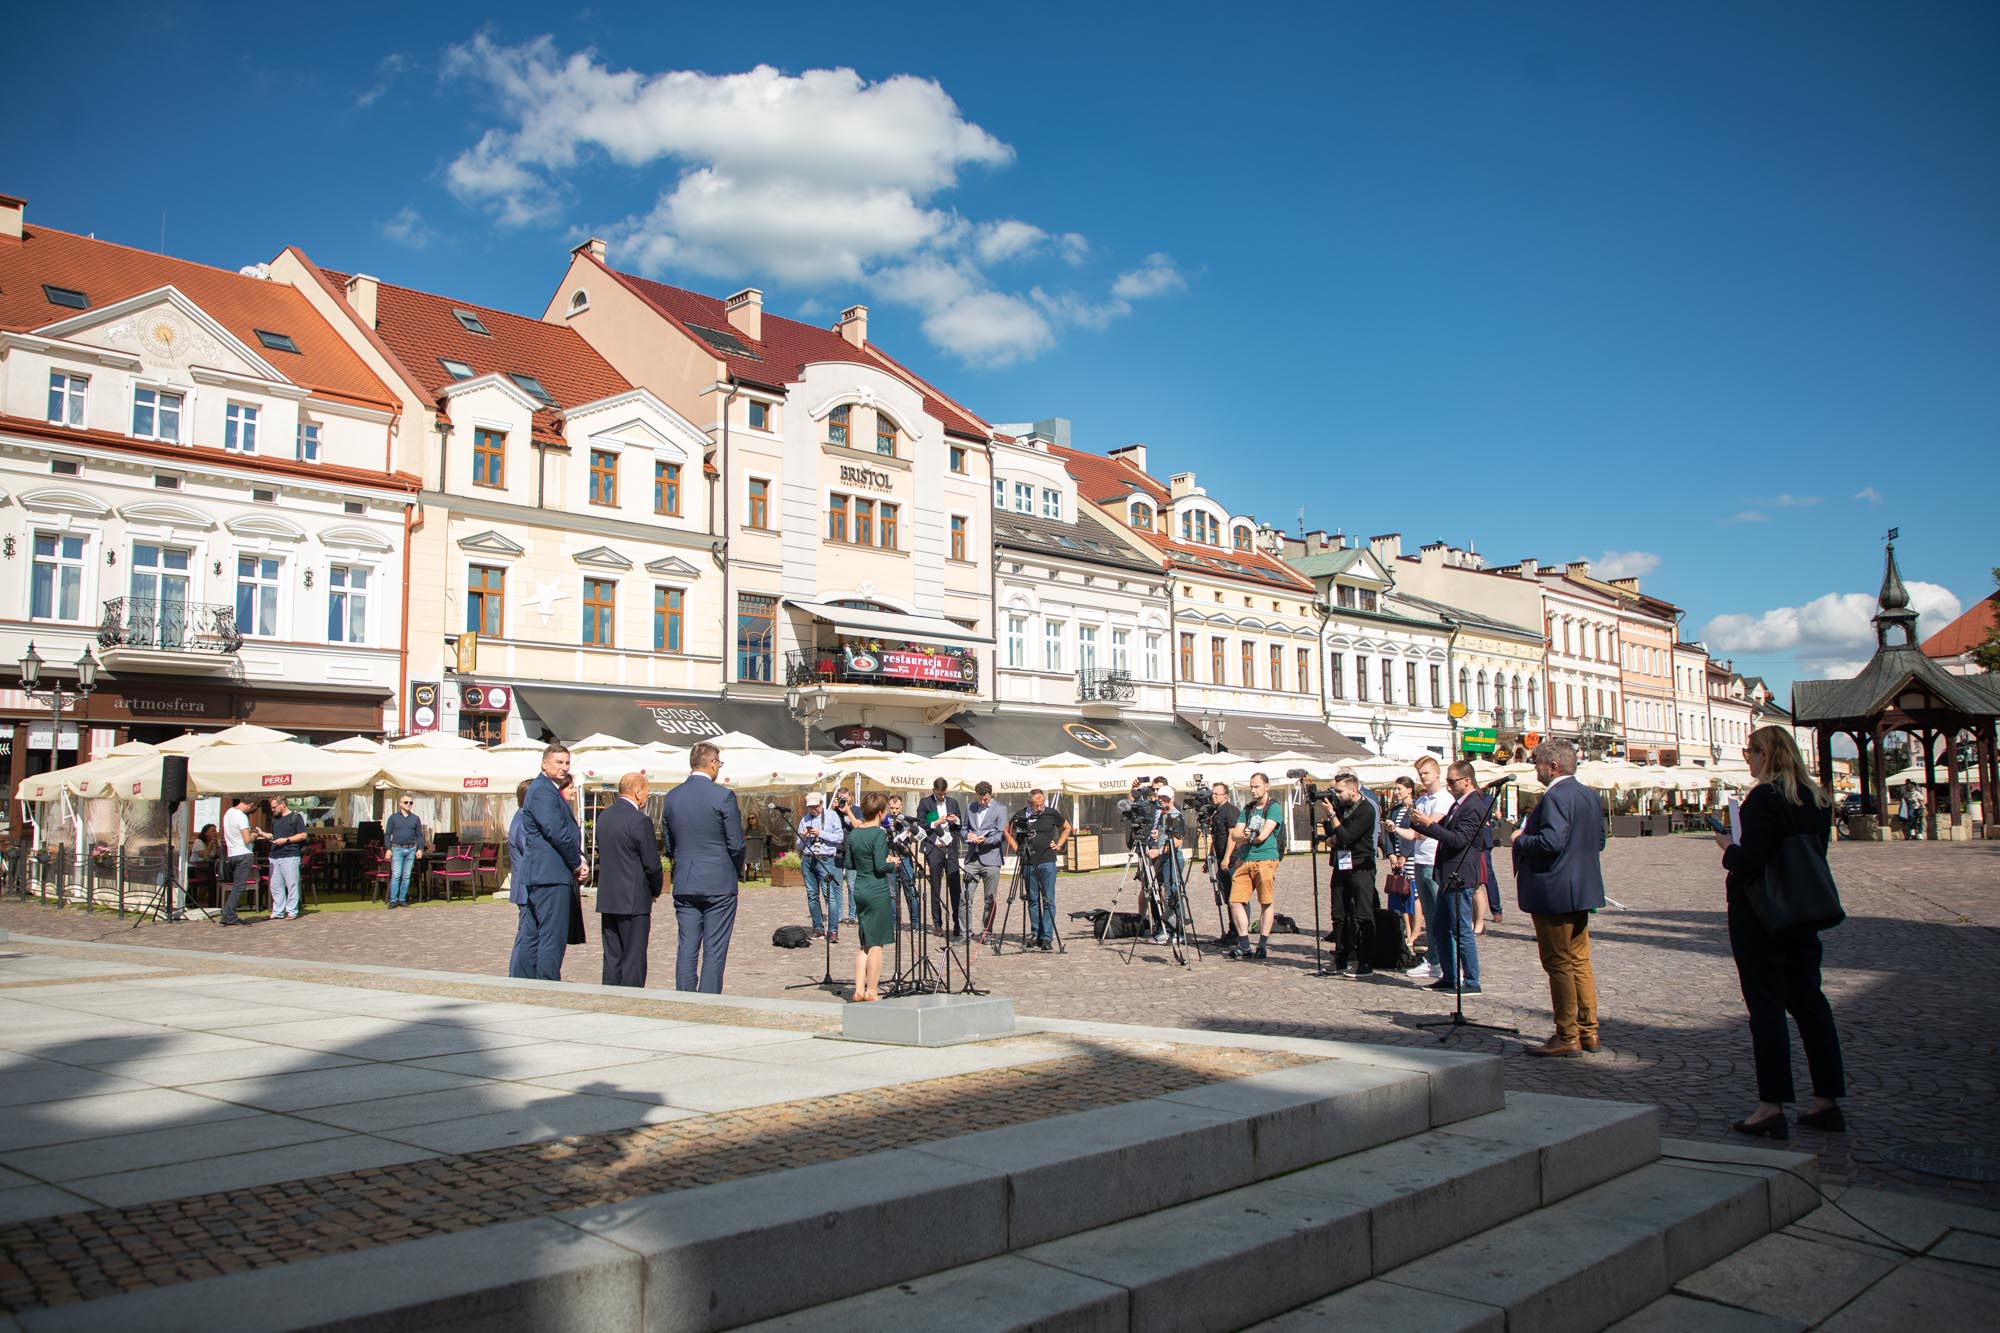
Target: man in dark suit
550 872
702 834
1457 832
944 847
628 880
1560 882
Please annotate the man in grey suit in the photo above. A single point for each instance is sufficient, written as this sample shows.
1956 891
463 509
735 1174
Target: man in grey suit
1560 882
701 833
550 872
628 880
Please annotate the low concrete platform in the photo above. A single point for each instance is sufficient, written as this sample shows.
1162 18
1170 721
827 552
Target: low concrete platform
928 1020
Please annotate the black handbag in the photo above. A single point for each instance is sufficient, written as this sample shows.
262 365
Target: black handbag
1796 891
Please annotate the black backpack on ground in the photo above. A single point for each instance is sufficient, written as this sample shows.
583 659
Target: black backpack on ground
791 937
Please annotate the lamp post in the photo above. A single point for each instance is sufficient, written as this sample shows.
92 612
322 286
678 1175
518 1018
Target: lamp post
1211 729
808 706
57 695
1378 729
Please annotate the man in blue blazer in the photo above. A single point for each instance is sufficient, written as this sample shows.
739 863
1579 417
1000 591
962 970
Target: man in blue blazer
628 880
550 871
702 835
1457 831
1560 882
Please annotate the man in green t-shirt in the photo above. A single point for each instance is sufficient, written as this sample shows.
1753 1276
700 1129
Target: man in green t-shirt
1256 839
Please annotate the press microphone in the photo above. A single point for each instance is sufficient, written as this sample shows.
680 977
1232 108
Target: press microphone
1295 774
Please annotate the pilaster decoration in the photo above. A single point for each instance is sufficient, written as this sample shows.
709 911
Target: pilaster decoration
602 557
490 542
673 567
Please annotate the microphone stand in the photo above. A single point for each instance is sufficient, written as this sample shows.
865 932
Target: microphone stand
1312 856
1457 1019
826 981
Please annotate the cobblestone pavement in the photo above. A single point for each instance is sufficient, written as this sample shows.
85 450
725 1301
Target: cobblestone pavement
1907 976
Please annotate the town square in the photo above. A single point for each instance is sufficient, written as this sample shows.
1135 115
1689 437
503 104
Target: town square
1208 670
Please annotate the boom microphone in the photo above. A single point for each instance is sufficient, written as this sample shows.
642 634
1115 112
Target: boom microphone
1295 774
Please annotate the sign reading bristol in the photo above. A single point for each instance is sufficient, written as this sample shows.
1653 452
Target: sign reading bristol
873 478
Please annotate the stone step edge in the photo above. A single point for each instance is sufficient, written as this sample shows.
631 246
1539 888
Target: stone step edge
1303 1234
909 1210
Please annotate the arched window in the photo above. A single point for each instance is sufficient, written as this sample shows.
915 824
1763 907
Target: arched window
885 436
578 300
1241 536
1142 515
1534 693
1515 681
1482 690
1464 685
836 425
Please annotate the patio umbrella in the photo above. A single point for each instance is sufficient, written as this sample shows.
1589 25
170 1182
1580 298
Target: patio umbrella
435 740
451 772
277 768
354 745
599 740
245 733
884 768
100 776
963 765
519 743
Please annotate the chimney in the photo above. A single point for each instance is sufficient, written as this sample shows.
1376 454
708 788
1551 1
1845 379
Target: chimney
1135 454
13 216
1530 569
853 325
596 248
1314 540
1577 569
1629 585
1180 486
361 290
746 313
1386 547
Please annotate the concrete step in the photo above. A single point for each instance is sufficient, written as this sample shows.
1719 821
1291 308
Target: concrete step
1230 1259
763 1246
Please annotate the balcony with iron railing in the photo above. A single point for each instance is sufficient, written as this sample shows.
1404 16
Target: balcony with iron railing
143 633
897 669
1105 685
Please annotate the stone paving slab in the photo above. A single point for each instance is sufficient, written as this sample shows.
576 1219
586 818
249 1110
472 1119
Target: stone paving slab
62 1162
41 1123
214 1175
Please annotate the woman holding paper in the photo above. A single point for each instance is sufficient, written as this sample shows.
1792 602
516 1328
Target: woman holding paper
1780 972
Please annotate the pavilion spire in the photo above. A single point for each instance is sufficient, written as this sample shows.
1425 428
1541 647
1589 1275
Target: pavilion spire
1893 605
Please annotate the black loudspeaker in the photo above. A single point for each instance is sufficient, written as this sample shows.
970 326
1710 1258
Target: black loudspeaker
173 778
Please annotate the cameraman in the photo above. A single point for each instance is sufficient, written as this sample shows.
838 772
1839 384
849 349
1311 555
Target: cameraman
985 844
904 841
1255 841
944 826
1163 849
1036 835
1353 827
843 810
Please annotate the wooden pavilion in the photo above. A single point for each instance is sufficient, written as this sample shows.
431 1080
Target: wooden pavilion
1903 690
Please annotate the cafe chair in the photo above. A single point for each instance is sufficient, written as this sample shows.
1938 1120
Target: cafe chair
458 868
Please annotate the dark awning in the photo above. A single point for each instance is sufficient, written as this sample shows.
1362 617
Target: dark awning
1037 736
677 719
1252 736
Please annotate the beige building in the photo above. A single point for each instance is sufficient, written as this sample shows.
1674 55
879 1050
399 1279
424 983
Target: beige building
851 512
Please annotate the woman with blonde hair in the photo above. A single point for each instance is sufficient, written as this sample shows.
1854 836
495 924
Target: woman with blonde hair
1780 972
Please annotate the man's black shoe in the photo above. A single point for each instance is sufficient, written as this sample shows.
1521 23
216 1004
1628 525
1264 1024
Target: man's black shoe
1260 954
1364 971
1445 985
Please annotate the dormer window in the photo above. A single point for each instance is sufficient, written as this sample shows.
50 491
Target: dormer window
470 322
277 342
1142 516
1051 503
66 296
1199 527
579 300
1241 537
531 386
458 370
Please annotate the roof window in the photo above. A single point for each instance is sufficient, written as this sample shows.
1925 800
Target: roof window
458 370
471 322
531 386
722 340
75 300
277 342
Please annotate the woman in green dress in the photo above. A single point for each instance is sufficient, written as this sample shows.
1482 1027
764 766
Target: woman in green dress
866 853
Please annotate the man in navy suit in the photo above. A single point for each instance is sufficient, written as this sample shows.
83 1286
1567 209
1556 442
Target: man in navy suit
702 834
1560 882
1457 831
944 848
628 880
550 872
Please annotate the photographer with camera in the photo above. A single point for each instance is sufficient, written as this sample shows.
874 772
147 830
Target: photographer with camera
906 841
1215 814
821 834
1037 835
985 844
1351 831
1255 841
1164 851
944 825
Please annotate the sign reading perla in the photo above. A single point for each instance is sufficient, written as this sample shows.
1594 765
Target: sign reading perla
853 475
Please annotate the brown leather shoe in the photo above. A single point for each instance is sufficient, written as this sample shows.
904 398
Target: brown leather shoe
1590 1043
1555 1046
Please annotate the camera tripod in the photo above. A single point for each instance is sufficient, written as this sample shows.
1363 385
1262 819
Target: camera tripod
1017 891
827 980
920 977
1159 903
1457 1019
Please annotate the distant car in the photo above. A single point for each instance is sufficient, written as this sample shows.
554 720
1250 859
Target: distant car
1853 804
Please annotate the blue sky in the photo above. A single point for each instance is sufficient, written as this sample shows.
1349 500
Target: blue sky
1673 284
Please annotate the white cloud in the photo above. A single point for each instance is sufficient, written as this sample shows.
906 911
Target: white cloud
387 71
1157 277
1789 501
408 228
1748 516
810 180
1831 636
1624 564
1870 494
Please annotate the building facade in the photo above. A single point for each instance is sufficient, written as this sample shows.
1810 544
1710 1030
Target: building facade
1582 628
200 490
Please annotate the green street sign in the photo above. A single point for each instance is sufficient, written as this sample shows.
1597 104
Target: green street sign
1479 740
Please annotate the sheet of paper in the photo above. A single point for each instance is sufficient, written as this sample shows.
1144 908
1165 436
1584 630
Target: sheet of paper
1735 821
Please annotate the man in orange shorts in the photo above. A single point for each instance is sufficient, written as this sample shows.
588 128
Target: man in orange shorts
1256 838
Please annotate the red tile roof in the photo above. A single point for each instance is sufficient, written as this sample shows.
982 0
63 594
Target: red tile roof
1108 481
420 329
1965 633
786 348
108 273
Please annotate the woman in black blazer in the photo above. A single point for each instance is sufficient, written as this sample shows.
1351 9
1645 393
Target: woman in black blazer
1780 973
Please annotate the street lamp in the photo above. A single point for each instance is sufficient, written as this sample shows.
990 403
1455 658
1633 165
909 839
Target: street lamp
1211 729
808 706
57 696
1378 728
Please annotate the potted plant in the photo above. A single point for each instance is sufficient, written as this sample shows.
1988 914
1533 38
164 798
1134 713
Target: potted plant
787 873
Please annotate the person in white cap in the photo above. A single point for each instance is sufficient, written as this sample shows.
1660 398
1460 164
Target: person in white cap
820 836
